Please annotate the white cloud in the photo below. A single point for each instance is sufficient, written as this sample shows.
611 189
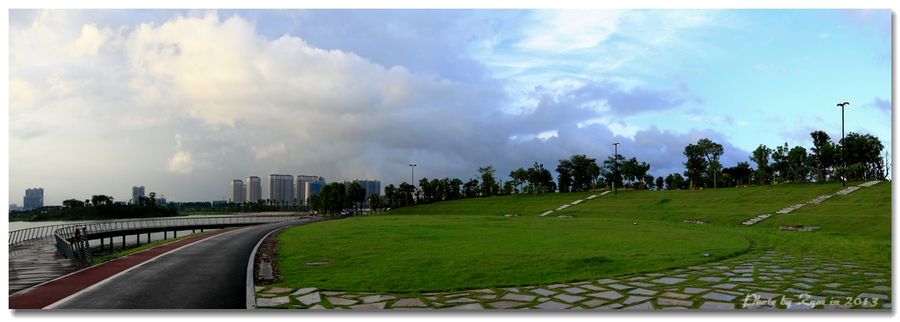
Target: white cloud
571 29
624 130
181 163
20 94
89 42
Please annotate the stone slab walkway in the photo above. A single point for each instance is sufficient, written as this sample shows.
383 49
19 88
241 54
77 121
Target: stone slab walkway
572 204
755 280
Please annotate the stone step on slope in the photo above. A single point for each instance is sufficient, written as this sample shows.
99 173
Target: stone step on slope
820 199
847 191
870 183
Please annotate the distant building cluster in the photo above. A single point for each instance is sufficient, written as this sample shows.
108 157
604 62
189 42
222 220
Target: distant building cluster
287 189
371 186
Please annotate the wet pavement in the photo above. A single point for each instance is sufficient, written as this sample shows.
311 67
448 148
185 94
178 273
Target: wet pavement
36 261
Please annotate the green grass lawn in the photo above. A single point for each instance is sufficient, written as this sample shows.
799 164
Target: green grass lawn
421 253
469 243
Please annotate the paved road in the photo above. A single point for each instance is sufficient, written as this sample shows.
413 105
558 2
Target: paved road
208 274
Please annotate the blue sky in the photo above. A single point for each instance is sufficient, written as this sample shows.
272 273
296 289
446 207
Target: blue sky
184 101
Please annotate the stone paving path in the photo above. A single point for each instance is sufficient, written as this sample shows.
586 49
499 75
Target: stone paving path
572 204
752 281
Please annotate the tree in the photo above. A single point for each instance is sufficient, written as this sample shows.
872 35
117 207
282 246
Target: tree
740 173
613 167
660 181
314 201
696 163
648 181
436 190
72 203
564 169
389 192
541 179
712 151
332 199
674 181
487 180
761 157
456 188
102 200
779 161
427 193
798 164
519 177
470 189
593 172
580 170
406 192
356 194
820 139
508 188
864 150
374 202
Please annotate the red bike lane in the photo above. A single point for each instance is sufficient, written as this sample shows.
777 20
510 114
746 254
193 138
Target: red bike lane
41 296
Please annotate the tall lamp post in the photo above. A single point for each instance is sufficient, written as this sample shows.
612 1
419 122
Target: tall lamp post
616 173
413 177
843 144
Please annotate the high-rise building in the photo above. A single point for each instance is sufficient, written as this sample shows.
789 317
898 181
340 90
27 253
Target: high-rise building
254 189
371 186
34 198
300 188
136 193
238 193
314 187
281 188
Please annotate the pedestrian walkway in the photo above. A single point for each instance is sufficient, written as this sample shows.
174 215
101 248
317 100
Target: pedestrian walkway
36 261
572 204
769 280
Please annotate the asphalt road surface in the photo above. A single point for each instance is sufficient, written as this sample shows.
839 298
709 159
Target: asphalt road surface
209 274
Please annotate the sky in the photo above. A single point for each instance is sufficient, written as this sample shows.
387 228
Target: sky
183 102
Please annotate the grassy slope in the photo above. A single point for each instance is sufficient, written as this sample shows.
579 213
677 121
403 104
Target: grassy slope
865 212
728 206
458 244
421 253
526 205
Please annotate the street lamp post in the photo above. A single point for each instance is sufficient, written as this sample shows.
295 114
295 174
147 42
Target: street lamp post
843 144
413 177
616 173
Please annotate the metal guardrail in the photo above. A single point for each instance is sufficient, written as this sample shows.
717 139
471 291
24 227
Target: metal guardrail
74 245
22 235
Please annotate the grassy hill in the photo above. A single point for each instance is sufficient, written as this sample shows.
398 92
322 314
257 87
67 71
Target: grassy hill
866 212
726 206
469 243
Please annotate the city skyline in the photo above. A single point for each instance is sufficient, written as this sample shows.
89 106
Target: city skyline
184 100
